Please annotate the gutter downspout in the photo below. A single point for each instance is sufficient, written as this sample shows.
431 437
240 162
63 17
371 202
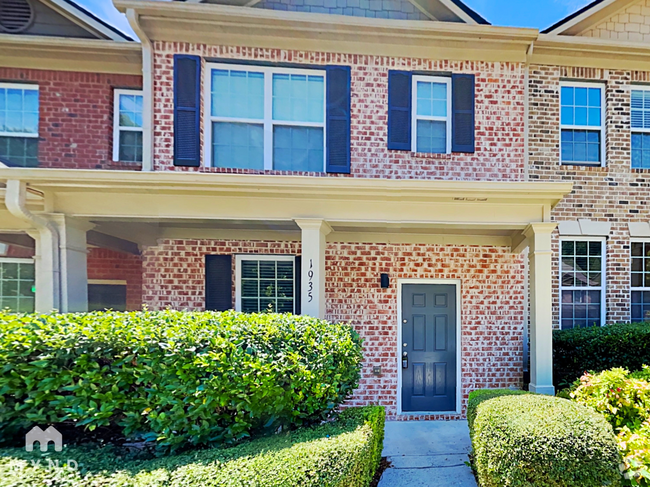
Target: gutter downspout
48 268
147 90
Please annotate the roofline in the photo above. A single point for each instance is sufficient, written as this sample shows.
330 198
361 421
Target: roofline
572 16
89 19
476 17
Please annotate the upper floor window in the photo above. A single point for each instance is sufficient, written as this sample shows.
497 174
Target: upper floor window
127 126
582 123
19 124
582 278
640 115
266 118
431 108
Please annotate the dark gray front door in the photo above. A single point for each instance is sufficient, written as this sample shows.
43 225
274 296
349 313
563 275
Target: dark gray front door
429 340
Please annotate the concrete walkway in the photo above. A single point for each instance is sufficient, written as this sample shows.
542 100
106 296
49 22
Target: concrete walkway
427 454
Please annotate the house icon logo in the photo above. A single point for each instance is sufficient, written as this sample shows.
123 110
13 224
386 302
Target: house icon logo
44 438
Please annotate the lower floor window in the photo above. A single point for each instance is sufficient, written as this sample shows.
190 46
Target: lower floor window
17 285
581 283
640 281
19 151
265 284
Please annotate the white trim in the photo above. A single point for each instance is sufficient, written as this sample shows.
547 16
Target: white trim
17 260
459 348
603 277
414 110
22 86
589 128
116 120
107 282
267 121
239 258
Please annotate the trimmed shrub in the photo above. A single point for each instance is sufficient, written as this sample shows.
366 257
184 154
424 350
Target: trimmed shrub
180 378
481 395
530 439
581 350
345 453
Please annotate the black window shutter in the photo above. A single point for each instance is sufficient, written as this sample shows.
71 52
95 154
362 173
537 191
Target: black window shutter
297 287
399 110
337 145
218 282
187 108
462 109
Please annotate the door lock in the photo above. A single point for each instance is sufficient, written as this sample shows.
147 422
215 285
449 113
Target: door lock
405 360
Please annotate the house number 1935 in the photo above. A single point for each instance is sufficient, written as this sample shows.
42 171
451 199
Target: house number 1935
310 283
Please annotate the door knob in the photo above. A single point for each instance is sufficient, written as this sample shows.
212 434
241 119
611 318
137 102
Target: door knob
405 344
404 321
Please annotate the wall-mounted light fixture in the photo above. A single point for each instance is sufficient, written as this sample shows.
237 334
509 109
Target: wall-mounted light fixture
385 283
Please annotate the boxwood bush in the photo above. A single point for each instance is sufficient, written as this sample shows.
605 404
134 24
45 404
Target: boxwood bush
180 378
595 349
344 453
530 439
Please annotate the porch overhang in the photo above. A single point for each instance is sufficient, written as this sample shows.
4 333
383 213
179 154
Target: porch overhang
148 206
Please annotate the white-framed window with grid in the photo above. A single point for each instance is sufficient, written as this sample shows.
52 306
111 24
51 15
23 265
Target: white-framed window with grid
17 284
19 124
127 125
640 280
640 125
264 117
431 130
582 282
265 283
582 122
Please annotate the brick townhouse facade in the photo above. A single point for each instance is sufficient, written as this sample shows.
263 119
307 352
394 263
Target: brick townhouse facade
393 165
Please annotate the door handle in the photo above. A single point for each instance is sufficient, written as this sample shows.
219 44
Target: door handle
405 360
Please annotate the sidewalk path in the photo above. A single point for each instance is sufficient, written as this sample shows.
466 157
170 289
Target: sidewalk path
427 454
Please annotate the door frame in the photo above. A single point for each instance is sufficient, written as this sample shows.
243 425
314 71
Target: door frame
459 349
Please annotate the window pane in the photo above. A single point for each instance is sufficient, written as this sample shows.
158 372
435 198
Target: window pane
237 94
19 151
581 106
267 285
130 149
640 109
298 98
580 309
238 145
431 99
640 306
17 286
19 110
641 150
431 136
130 111
581 146
298 149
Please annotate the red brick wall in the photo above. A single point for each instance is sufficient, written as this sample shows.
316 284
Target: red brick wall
615 193
492 312
109 264
499 113
76 116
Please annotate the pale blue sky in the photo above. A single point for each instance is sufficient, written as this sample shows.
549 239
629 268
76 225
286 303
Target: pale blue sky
516 13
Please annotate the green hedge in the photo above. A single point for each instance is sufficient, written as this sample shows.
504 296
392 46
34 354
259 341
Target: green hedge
599 348
345 453
180 378
481 395
534 440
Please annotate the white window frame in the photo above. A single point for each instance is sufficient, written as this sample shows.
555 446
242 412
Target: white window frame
267 122
603 277
257 257
22 260
636 130
23 86
414 110
641 288
116 120
603 123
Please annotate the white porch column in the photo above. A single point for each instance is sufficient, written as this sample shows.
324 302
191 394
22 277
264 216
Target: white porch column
46 268
74 258
541 305
313 266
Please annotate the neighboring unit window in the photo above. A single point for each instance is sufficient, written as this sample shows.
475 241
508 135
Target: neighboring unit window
582 283
640 281
19 124
106 296
432 123
127 126
265 283
582 121
266 118
17 285
640 114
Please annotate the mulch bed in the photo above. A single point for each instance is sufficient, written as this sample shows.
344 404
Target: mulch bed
383 465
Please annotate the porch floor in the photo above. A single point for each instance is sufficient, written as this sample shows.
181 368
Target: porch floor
427 454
